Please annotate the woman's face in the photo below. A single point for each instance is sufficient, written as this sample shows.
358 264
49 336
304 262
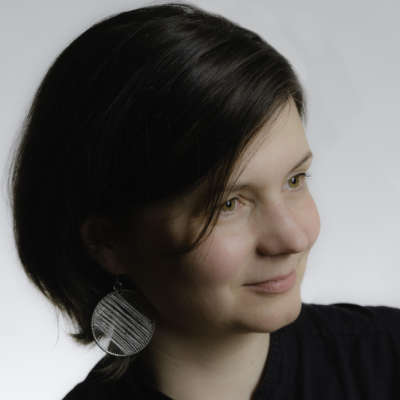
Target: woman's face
267 230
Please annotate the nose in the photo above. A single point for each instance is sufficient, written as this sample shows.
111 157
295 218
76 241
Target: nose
281 230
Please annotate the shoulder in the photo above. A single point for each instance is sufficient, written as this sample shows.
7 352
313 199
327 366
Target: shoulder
80 391
133 383
94 386
350 318
347 342
341 351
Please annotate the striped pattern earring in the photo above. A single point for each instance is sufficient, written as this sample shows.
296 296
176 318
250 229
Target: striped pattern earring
119 323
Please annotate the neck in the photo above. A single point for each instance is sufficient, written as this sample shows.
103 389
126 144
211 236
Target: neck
201 367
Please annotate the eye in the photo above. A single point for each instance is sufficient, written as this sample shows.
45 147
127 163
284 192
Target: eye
231 205
294 180
228 206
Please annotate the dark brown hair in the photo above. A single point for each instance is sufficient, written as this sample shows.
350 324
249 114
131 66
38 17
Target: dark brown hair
141 107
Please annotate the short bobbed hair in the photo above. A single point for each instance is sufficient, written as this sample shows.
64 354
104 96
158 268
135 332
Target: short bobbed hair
142 107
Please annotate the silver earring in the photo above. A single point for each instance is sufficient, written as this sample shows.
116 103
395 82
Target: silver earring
119 323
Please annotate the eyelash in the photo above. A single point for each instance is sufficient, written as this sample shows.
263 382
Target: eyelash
304 174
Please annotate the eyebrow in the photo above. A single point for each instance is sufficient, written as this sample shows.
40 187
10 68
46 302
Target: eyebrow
306 157
235 187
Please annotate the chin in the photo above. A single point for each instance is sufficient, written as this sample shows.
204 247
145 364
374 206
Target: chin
289 313
274 313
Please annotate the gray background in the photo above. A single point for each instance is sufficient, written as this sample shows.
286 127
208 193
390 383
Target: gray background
347 56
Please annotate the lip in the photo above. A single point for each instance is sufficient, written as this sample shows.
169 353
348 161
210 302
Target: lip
278 284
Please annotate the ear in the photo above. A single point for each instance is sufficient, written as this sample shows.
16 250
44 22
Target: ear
99 239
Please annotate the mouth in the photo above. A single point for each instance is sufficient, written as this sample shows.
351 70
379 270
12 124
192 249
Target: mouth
278 284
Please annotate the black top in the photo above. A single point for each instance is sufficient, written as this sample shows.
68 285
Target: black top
338 351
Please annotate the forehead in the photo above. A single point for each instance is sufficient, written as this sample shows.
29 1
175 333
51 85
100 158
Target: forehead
273 151
277 146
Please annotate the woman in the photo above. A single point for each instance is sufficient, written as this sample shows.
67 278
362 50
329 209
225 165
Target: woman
160 200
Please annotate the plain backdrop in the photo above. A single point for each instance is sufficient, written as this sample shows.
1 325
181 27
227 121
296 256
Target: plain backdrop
346 53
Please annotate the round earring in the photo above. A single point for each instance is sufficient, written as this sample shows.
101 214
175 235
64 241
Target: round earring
119 323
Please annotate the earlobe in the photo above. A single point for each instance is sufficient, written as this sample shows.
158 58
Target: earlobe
107 259
97 240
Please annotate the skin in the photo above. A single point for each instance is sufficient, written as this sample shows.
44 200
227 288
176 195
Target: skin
212 335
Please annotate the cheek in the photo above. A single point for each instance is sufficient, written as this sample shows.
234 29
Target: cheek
219 259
